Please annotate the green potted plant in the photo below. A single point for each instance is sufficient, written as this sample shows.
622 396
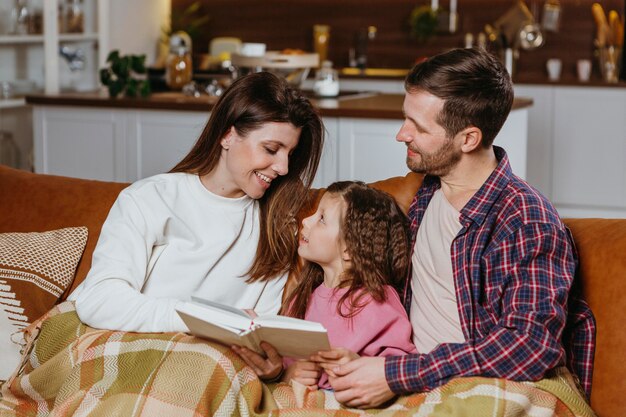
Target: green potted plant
423 22
125 74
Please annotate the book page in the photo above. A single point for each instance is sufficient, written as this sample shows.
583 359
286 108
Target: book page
206 330
299 344
219 313
285 322
219 306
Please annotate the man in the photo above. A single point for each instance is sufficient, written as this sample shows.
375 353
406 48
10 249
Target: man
493 265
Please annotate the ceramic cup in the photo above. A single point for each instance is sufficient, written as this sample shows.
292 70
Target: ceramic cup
553 66
583 70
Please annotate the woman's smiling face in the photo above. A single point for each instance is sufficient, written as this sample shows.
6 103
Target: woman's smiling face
248 164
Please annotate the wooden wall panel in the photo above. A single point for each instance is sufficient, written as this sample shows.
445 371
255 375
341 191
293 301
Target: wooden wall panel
288 24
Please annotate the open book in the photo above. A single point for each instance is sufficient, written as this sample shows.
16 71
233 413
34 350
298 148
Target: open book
292 337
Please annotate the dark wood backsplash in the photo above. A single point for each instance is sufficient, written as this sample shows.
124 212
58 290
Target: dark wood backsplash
289 24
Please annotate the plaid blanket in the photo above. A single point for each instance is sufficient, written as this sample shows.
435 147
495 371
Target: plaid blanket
70 369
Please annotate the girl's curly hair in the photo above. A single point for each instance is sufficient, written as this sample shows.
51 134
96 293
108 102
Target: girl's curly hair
376 234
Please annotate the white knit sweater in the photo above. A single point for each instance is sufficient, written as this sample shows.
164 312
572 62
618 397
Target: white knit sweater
166 238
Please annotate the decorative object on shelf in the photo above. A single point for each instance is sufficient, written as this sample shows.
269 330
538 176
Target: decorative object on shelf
125 74
20 18
35 26
74 17
74 56
423 22
6 90
609 42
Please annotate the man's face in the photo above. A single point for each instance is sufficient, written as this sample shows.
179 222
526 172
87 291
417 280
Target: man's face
429 149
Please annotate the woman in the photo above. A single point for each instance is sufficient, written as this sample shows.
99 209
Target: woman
220 225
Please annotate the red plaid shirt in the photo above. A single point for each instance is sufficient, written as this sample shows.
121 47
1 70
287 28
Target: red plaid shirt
514 263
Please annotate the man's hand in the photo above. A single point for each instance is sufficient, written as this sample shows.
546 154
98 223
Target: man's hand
336 356
361 383
305 372
266 369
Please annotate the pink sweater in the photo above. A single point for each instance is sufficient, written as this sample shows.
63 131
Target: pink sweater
379 329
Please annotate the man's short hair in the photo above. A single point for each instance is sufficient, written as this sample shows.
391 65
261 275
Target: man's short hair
475 86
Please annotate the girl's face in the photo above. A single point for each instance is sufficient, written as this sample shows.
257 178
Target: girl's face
249 164
320 237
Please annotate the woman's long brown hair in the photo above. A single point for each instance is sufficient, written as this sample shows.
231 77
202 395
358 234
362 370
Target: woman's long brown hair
376 233
248 104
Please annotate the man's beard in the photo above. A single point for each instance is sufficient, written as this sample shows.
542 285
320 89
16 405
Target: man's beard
438 163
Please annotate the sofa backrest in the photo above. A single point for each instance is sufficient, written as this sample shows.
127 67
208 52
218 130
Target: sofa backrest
38 203
601 245
34 202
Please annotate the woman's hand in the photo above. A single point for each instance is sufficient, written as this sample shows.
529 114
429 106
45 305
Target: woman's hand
305 372
267 369
336 356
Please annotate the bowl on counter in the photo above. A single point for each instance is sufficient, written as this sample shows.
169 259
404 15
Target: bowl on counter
293 65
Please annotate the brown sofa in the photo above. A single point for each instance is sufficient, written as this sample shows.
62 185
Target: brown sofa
34 202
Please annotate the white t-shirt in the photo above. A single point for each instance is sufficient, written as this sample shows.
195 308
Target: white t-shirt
434 308
166 238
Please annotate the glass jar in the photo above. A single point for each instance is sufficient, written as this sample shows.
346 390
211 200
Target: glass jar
20 18
178 66
326 81
74 17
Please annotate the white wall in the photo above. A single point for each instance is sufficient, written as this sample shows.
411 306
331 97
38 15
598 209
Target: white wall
135 26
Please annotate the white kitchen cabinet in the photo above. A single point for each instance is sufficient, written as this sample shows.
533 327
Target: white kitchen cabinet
577 148
78 142
589 151
129 144
540 131
158 140
328 169
367 150
110 144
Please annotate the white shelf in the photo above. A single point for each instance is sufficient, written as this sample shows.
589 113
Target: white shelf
20 39
78 37
12 103
34 39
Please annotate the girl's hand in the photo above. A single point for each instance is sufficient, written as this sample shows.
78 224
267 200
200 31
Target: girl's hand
267 369
305 372
336 356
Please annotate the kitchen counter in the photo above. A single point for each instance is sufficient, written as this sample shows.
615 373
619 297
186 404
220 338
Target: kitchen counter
363 105
395 74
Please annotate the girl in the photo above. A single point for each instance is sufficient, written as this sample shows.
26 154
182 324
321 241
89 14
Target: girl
218 224
356 250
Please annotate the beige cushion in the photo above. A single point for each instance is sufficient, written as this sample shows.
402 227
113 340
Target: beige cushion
35 270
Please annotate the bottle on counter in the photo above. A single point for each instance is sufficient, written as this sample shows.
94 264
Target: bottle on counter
178 66
326 81
321 38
